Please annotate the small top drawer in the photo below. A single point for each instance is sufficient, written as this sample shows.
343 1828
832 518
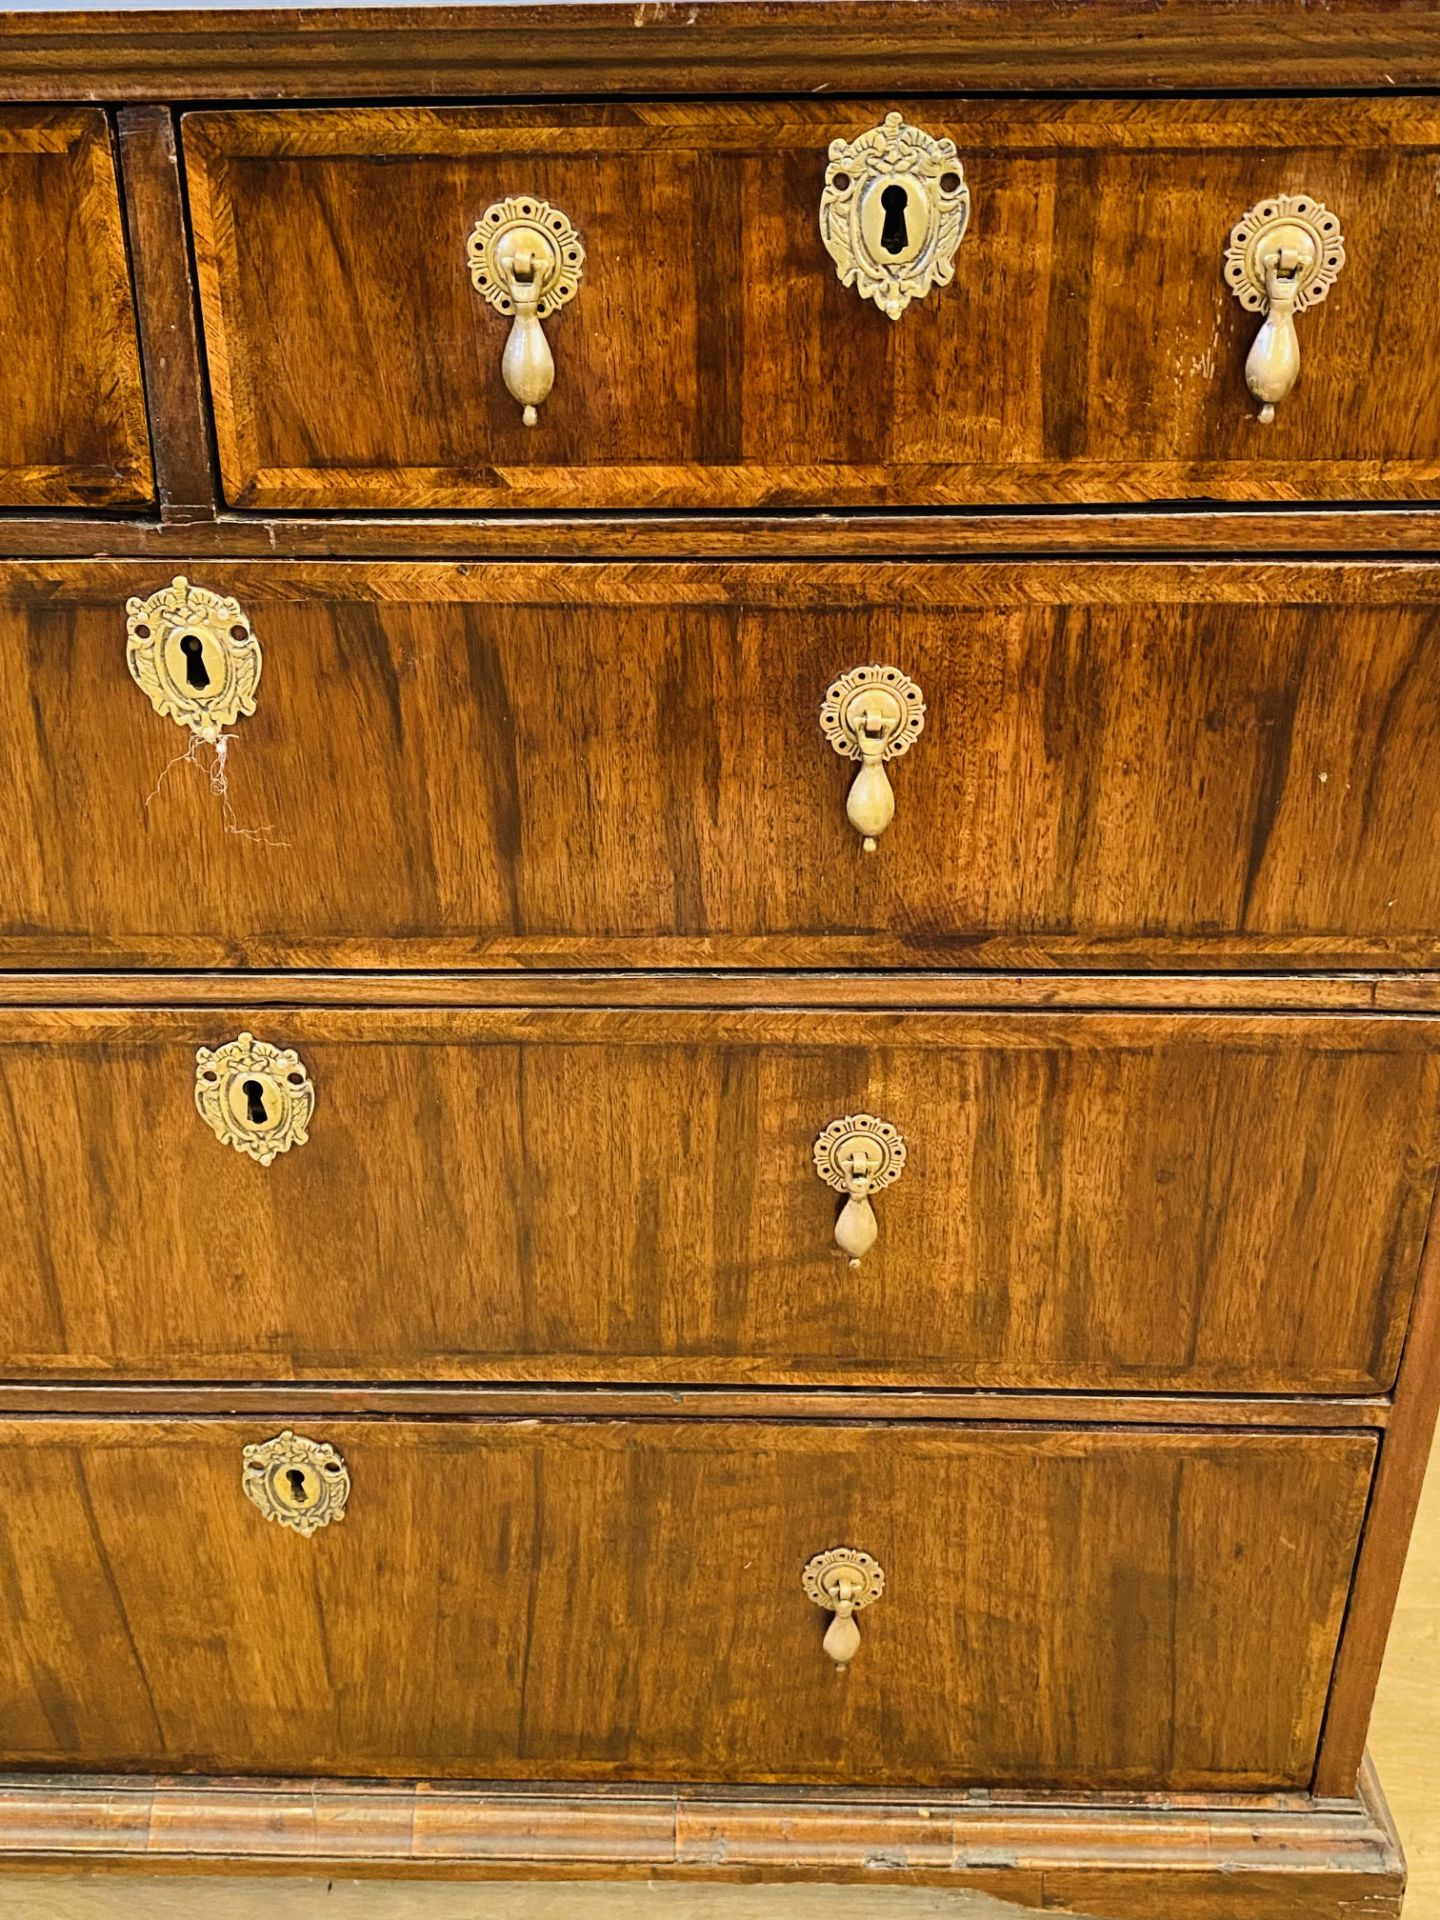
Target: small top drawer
1089 347
72 410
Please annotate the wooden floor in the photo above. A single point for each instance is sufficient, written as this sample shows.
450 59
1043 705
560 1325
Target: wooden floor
386 1900
1405 1740
1405 1734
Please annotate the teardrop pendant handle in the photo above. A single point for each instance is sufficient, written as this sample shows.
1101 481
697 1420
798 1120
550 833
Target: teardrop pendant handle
870 803
842 1636
842 1580
872 714
1283 257
528 366
857 1229
526 260
858 1155
1273 364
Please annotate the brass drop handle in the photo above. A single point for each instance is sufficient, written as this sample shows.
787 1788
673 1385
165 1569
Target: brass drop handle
1272 365
843 1580
858 1156
526 260
1282 257
872 714
870 803
857 1229
528 365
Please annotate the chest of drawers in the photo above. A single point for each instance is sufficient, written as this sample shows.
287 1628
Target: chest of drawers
720 940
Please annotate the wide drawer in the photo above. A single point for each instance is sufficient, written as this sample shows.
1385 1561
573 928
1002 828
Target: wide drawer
1119 765
1089 348
1170 1202
72 409
624 1600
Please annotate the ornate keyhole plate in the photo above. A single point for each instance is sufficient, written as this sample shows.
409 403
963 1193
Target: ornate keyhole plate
894 209
298 1483
255 1097
195 656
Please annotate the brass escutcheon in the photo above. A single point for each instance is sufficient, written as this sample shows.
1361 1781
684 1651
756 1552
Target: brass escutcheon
526 260
842 1580
894 209
195 655
858 1156
255 1097
298 1483
872 714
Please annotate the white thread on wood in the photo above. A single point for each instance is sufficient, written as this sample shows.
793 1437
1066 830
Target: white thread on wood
217 774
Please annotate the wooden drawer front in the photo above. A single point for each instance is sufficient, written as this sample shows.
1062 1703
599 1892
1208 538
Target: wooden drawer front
1089 347
1121 764
624 1601
1177 1202
72 410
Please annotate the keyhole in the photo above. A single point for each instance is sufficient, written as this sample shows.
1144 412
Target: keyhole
197 674
299 1492
255 1101
895 234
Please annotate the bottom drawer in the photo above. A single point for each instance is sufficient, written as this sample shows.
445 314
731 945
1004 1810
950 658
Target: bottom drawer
580 1600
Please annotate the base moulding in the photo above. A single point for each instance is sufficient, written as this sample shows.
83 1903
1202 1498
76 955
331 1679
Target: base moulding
1150 1858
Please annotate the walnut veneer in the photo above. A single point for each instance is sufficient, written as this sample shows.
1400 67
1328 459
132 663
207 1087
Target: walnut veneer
527 850
351 370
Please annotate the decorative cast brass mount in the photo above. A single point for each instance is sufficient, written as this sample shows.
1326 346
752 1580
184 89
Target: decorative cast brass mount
872 714
526 260
298 1483
858 1156
894 208
195 655
257 1098
1282 258
843 1580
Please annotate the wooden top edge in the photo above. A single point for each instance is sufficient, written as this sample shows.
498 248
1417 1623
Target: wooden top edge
728 46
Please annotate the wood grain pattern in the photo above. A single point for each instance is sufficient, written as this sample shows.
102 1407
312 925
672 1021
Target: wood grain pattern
355 367
646 534
1128 1202
166 313
72 409
735 46
294 1401
1151 1860
863 992
1123 765
624 1602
